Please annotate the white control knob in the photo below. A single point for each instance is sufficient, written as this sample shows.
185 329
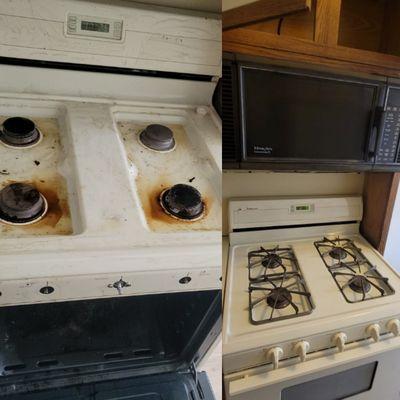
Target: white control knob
394 326
374 331
274 355
301 348
339 340
202 111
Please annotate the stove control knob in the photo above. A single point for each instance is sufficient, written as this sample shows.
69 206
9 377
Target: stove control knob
374 331
119 285
394 326
274 355
339 340
301 348
202 111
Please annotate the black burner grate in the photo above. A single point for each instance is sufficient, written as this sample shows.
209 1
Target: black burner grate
355 276
277 289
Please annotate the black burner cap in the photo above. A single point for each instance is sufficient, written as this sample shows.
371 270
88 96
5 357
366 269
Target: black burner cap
157 137
338 253
271 261
20 203
360 284
18 131
279 298
183 201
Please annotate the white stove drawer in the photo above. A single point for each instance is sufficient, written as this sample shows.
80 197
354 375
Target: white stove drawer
363 373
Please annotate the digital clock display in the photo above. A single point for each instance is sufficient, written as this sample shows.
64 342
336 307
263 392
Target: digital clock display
303 208
95 26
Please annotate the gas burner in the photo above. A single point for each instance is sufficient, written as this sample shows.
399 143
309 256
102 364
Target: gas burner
334 251
338 253
357 279
271 261
183 202
21 204
278 296
261 262
360 284
19 132
158 138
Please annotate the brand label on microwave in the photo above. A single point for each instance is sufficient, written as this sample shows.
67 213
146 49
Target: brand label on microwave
262 149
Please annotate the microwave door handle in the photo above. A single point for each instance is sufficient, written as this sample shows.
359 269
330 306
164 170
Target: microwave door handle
379 119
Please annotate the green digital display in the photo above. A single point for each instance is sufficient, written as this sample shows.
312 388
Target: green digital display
302 208
95 26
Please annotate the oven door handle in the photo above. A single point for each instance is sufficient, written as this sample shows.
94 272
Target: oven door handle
255 385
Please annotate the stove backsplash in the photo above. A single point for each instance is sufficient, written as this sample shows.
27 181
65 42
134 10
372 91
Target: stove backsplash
250 183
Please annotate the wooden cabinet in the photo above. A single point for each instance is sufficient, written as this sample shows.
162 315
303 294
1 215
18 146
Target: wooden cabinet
352 35
361 36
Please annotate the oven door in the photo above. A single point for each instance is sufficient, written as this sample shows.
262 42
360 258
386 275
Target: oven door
366 373
126 347
296 117
170 386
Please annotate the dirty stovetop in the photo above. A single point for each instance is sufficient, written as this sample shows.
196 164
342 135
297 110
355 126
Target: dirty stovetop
103 186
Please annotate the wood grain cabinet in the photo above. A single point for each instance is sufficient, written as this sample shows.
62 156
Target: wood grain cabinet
351 36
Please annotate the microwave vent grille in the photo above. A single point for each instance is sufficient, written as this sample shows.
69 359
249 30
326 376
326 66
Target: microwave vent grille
229 113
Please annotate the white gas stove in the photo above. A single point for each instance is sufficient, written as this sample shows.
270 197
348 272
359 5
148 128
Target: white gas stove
110 199
110 166
308 303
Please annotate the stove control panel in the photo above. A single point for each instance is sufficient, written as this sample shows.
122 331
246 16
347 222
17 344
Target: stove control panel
104 28
292 352
79 287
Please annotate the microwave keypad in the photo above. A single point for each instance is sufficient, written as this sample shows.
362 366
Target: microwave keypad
390 136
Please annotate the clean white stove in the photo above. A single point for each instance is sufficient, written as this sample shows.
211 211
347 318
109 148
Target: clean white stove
110 182
308 303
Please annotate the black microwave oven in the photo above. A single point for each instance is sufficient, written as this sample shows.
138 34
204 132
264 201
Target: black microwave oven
284 118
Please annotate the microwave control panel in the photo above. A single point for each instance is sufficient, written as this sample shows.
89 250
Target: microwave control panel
389 140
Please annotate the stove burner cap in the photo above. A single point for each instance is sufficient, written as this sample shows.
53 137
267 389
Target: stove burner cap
279 298
183 202
157 137
271 261
19 132
21 203
360 284
338 253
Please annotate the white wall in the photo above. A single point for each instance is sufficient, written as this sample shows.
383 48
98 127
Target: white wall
392 250
264 183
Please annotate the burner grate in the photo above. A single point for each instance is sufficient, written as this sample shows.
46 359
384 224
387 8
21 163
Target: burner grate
277 260
277 289
357 279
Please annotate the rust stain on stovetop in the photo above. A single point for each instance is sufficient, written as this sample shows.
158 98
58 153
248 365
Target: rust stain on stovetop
57 220
154 172
158 219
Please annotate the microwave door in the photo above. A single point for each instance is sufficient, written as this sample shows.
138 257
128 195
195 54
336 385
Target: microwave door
297 117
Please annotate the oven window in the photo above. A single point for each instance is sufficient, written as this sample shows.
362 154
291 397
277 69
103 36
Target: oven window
334 387
300 117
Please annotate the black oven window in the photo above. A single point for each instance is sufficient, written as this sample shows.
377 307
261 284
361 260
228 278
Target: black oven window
300 117
334 387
